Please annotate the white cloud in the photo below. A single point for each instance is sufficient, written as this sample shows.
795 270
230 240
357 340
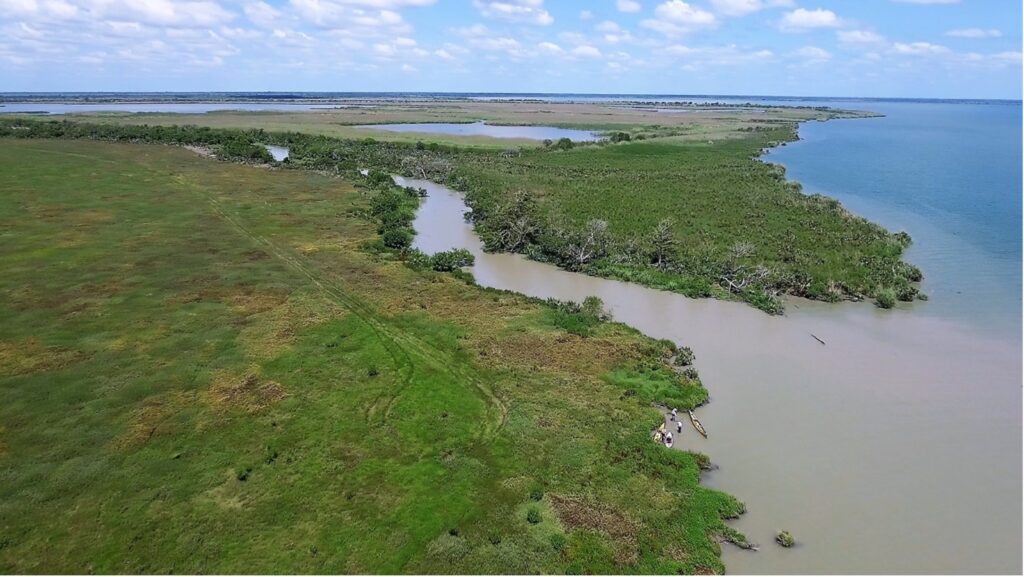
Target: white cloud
607 26
444 54
628 6
918 48
523 11
744 7
470 31
263 14
802 19
550 48
39 9
859 37
974 33
586 51
813 54
344 14
1008 57
728 55
618 37
676 17
928 1
409 68
586 15
679 12
160 12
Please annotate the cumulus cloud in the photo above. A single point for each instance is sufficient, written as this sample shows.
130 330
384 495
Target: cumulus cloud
676 17
918 48
550 48
342 14
801 19
728 55
158 12
744 7
974 33
523 11
813 54
40 9
628 6
859 37
586 51
263 14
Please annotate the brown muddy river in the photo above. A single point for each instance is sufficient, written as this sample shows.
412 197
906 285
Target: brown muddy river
894 448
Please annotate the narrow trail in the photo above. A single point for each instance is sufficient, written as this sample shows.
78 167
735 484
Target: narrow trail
400 345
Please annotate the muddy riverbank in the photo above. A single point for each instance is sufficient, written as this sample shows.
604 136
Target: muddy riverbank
894 447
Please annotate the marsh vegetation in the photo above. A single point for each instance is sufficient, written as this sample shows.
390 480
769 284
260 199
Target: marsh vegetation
702 219
208 367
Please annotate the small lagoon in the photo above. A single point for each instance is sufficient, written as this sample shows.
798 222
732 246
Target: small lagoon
279 153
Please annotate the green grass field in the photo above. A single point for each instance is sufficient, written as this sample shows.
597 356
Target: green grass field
201 371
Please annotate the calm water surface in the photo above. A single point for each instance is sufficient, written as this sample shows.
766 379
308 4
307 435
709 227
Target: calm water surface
494 131
896 447
278 152
950 174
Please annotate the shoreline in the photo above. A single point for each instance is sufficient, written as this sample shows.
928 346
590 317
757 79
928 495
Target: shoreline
763 366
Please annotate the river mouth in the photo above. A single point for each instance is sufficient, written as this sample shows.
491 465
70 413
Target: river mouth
491 130
893 448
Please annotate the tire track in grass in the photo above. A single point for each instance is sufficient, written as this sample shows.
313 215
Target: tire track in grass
399 344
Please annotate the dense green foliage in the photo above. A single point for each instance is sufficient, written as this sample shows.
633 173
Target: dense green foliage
244 150
699 218
200 372
578 318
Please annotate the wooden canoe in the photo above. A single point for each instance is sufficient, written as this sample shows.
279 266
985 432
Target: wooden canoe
697 425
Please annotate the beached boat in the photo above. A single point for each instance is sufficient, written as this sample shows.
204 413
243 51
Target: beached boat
697 425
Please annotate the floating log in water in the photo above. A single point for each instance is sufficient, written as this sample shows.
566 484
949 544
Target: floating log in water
817 339
697 425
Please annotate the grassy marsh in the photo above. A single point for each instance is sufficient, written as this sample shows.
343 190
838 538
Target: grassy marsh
202 371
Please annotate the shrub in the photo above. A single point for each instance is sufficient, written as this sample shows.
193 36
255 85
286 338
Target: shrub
241 149
578 319
243 473
451 260
536 494
378 177
564 144
397 238
785 539
684 357
886 298
533 515
557 541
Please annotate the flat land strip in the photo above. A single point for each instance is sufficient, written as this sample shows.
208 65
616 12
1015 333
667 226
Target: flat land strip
677 200
697 122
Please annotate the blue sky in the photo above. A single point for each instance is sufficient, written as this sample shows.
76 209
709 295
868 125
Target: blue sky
902 48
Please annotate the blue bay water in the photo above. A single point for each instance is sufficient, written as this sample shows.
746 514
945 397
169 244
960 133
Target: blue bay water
947 173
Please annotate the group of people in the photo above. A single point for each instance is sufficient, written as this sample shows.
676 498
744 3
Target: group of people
679 427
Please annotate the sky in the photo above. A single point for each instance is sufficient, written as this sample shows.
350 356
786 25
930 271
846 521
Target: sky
863 48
